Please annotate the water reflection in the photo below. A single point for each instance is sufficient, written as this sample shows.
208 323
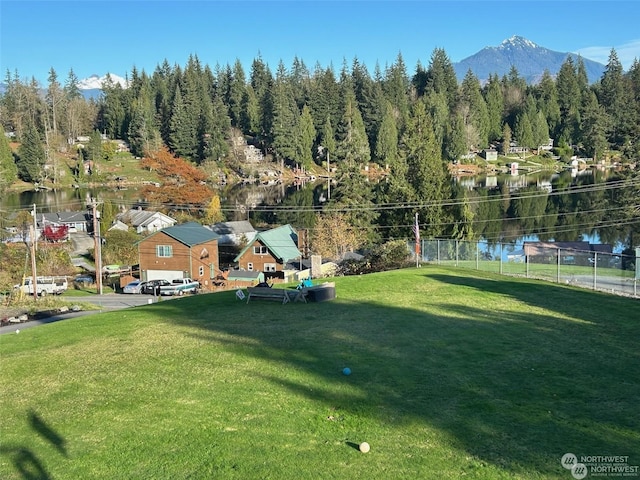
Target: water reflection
517 211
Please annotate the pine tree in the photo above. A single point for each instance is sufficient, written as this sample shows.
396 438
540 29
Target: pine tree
181 131
593 127
306 137
286 119
250 114
523 132
495 104
475 116
614 94
353 145
236 94
455 144
569 100
426 172
396 87
441 77
31 156
386 151
328 139
548 98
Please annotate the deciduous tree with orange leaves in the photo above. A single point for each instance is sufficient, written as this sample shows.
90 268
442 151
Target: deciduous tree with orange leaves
182 183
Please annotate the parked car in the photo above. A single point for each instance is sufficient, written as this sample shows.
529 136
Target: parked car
180 286
134 287
84 280
150 286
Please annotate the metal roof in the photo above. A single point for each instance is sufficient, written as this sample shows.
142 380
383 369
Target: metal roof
191 233
281 242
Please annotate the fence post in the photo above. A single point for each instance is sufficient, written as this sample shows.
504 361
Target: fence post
438 249
478 255
526 263
501 246
595 270
457 245
558 268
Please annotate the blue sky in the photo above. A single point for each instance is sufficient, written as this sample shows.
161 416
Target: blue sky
96 37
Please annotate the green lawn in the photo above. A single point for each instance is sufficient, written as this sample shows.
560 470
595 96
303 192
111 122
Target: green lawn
455 374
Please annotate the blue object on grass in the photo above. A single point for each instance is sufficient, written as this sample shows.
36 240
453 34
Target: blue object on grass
346 371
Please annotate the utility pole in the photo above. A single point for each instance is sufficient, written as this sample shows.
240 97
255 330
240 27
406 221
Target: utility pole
35 226
34 277
97 244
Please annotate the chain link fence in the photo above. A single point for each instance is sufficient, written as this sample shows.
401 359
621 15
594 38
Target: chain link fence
614 273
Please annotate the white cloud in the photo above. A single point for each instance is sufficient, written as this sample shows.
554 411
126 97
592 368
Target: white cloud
626 52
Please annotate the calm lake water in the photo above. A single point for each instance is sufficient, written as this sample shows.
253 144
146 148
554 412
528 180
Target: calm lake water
237 201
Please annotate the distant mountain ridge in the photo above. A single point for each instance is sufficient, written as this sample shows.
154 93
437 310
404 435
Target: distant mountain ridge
95 82
529 59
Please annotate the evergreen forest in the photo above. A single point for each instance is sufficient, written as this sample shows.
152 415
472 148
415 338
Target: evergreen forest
413 125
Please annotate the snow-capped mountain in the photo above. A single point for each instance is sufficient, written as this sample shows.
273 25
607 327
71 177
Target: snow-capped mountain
530 60
94 82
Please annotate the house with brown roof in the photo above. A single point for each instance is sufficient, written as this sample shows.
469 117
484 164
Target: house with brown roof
188 250
571 253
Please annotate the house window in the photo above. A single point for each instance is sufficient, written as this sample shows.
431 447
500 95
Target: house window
201 271
260 250
269 267
250 266
164 251
204 253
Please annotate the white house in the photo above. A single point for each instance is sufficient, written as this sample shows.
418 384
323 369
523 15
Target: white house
145 221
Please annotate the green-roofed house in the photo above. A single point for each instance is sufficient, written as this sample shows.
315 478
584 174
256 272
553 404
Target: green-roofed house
273 252
188 250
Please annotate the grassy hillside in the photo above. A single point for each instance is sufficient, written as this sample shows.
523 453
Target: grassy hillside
454 374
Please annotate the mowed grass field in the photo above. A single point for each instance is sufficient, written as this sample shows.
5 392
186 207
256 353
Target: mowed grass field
455 374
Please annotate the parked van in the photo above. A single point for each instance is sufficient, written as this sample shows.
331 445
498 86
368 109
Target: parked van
44 285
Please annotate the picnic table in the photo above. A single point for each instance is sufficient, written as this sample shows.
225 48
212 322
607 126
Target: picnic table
281 294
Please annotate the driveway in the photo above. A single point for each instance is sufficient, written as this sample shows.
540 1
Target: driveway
82 244
105 303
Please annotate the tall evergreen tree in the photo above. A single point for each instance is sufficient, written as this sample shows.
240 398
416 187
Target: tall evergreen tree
353 145
250 113
31 156
523 131
426 173
306 137
441 77
474 110
368 98
569 100
495 105
261 81
614 94
548 102
324 98
328 140
386 151
396 89
455 144
286 119
593 127
236 94
8 169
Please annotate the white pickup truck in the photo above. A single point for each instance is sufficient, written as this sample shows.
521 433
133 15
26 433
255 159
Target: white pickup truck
44 285
180 286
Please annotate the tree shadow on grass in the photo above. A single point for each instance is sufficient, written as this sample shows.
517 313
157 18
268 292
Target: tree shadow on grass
516 387
25 460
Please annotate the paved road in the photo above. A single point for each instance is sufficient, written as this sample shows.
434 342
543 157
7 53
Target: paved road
107 302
